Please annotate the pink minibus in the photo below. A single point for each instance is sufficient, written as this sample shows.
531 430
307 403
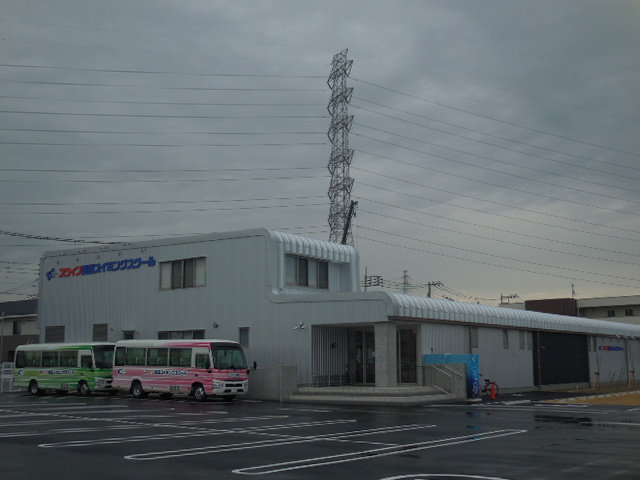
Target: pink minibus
194 367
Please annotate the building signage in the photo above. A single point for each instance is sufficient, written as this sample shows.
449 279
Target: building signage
610 348
94 268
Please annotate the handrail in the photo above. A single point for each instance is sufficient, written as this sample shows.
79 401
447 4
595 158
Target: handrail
444 379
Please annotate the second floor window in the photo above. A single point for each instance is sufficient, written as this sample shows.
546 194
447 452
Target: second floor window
307 272
185 273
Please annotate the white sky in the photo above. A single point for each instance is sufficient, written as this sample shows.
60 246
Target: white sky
496 142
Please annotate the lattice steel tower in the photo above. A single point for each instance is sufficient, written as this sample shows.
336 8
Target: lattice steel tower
340 188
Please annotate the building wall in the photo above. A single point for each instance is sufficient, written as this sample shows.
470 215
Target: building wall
444 338
503 358
244 289
614 360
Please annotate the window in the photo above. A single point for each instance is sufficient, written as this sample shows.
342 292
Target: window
473 337
128 334
85 361
157 357
628 312
307 272
202 360
100 332
611 313
69 359
505 339
180 357
54 334
34 359
243 334
50 359
121 354
21 359
186 273
17 328
135 356
181 335
522 339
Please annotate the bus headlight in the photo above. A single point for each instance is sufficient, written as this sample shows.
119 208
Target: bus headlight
218 385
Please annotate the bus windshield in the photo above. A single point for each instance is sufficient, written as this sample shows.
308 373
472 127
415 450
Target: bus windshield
103 356
228 357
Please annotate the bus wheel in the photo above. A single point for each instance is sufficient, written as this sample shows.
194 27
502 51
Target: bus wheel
34 389
83 389
137 391
198 392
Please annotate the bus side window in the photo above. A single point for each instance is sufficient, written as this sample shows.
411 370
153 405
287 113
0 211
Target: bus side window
119 357
34 359
50 359
21 360
202 361
69 359
85 361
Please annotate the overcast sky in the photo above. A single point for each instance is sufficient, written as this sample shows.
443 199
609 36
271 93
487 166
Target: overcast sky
496 142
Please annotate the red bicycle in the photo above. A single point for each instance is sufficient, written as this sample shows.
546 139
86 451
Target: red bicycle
490 386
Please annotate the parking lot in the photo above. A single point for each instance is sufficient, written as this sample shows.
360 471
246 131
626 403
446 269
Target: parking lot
513 439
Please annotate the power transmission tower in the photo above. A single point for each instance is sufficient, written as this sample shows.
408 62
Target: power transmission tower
341 155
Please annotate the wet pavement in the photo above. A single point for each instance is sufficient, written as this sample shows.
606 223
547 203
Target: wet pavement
538 435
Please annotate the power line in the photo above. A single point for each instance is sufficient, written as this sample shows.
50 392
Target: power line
158 72
54 239
501 257
164 145
152 87
504 241
498 265
536 194
458 232
504 122
177 202
171 103
582 157
507 206
139 115
173 180
170 210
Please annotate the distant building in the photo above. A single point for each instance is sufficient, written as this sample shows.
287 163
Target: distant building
19 326
618 309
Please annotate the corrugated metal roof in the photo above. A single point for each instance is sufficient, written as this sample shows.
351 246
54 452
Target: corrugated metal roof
309 247
450 311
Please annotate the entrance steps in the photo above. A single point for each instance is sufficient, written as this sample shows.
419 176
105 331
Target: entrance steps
365 395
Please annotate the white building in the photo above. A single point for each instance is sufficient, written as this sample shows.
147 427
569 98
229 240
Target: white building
291 300
620 309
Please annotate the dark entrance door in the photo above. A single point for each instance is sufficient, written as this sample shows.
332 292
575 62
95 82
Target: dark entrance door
407 356
362 356
560 358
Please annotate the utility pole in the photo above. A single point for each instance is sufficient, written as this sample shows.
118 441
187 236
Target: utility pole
2 341
432 284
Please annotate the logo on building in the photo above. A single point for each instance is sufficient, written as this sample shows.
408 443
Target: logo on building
95 268
610 348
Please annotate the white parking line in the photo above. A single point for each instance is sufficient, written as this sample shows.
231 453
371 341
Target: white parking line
374 453
193 431
276 442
